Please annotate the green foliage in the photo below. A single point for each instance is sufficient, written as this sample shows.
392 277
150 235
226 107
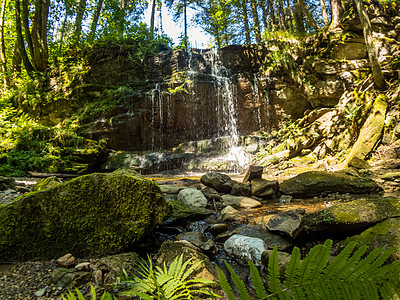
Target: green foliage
71 296
353 274
168 282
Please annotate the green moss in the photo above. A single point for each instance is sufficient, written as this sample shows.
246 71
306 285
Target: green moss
90 215
46 183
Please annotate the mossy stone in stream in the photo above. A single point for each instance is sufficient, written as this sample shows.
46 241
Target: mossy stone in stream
384 235
353 215
92 215
311 184
46 183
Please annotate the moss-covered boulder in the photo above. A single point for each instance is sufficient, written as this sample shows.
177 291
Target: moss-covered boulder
385 234
353 215
46 183
92 215
311 184
371 131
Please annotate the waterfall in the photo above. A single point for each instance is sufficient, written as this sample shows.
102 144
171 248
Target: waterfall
156 110
256 98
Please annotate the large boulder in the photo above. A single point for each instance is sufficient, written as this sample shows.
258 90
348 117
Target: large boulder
264 188
313 183
354 215
92 215
371 131
384 235
220 182
288 224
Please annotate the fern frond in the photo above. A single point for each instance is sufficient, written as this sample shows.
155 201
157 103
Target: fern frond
257 281
239 284
292 270
223 282
274 282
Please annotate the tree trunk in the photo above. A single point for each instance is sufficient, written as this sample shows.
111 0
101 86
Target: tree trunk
299 18
246 23
264 8
282 23
272 14
337 12
95 20
257 32
153 12
377 74
308 15
21 45
39 45
78 20
16 61
324 13
185 23
27 30
3 46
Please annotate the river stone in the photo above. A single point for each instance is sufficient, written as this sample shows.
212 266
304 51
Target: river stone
313 183
181 213
384 235
245 248
117 263
289 224
270 239
232 200
371 131
170 250
68 278
66 261
194 237
230 214
264 188
252 173
241 189
216 229
6 183
354 215
192 197
92 215
171 188
283 260
220 182
249 203
210 193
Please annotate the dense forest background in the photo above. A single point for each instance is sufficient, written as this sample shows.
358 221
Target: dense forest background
44 45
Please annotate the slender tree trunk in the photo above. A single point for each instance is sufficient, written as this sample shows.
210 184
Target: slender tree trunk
16 61
21 48
308 15
377 74
324 13
3 46
39 35
185 23
246 22
272 14
43 35
257 32
299 18
337 12
95 20
264 8
153 12
27 30
289 17
282 23
78 21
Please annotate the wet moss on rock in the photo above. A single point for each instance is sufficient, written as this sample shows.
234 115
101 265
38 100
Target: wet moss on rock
92 215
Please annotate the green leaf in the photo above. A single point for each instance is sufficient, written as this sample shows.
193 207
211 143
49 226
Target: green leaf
274 282
223 282
257 281
239 284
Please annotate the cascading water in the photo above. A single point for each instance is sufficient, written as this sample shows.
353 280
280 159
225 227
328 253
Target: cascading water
226 99
256 98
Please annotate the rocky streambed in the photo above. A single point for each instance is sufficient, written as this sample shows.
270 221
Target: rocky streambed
212 218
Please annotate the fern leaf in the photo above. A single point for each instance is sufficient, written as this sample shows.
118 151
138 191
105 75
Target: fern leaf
362 267
223 282
257 281
239 284
189 271
79 294
175 266
172 287
181 272
144 296
321 260
292 268
92 292
337 265
312 263
273 272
